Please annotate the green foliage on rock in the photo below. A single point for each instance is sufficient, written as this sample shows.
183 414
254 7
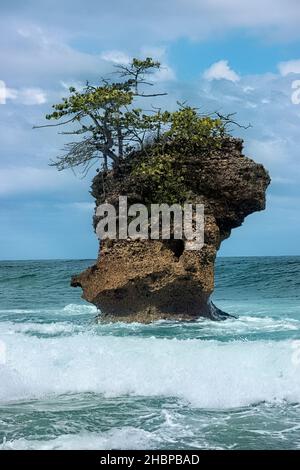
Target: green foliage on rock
161 179
109 125
112 128
193 131
161 171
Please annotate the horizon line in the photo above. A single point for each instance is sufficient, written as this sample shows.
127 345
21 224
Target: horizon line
95 259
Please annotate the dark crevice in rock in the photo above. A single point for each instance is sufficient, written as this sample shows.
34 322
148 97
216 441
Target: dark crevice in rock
176 246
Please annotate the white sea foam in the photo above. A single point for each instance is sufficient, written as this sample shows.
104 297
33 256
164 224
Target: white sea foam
123 438
248 324
51 329
207 374
73 309
80 309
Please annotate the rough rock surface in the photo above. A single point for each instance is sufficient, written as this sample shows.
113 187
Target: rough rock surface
145 280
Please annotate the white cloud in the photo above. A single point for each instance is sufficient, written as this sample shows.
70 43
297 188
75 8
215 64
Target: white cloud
248 89
165 20
221 71
44 57
32 96
158 53
270 151
3 92
11 93
121 58
27 96
290 66
164 74
116 57
273 137
42 45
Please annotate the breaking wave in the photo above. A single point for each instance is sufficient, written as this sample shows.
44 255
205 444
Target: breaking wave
207 374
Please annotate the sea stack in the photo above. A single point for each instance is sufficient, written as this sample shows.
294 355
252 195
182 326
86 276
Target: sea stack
148 280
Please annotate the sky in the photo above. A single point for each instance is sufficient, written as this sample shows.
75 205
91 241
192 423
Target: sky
223 55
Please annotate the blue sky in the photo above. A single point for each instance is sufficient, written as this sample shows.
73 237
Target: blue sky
217 54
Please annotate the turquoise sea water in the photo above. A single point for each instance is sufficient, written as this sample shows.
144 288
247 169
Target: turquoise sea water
67 383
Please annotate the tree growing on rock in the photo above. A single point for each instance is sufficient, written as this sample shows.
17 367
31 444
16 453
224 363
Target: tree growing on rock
108 125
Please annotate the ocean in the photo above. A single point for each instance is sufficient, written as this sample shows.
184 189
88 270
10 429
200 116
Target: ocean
69 383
